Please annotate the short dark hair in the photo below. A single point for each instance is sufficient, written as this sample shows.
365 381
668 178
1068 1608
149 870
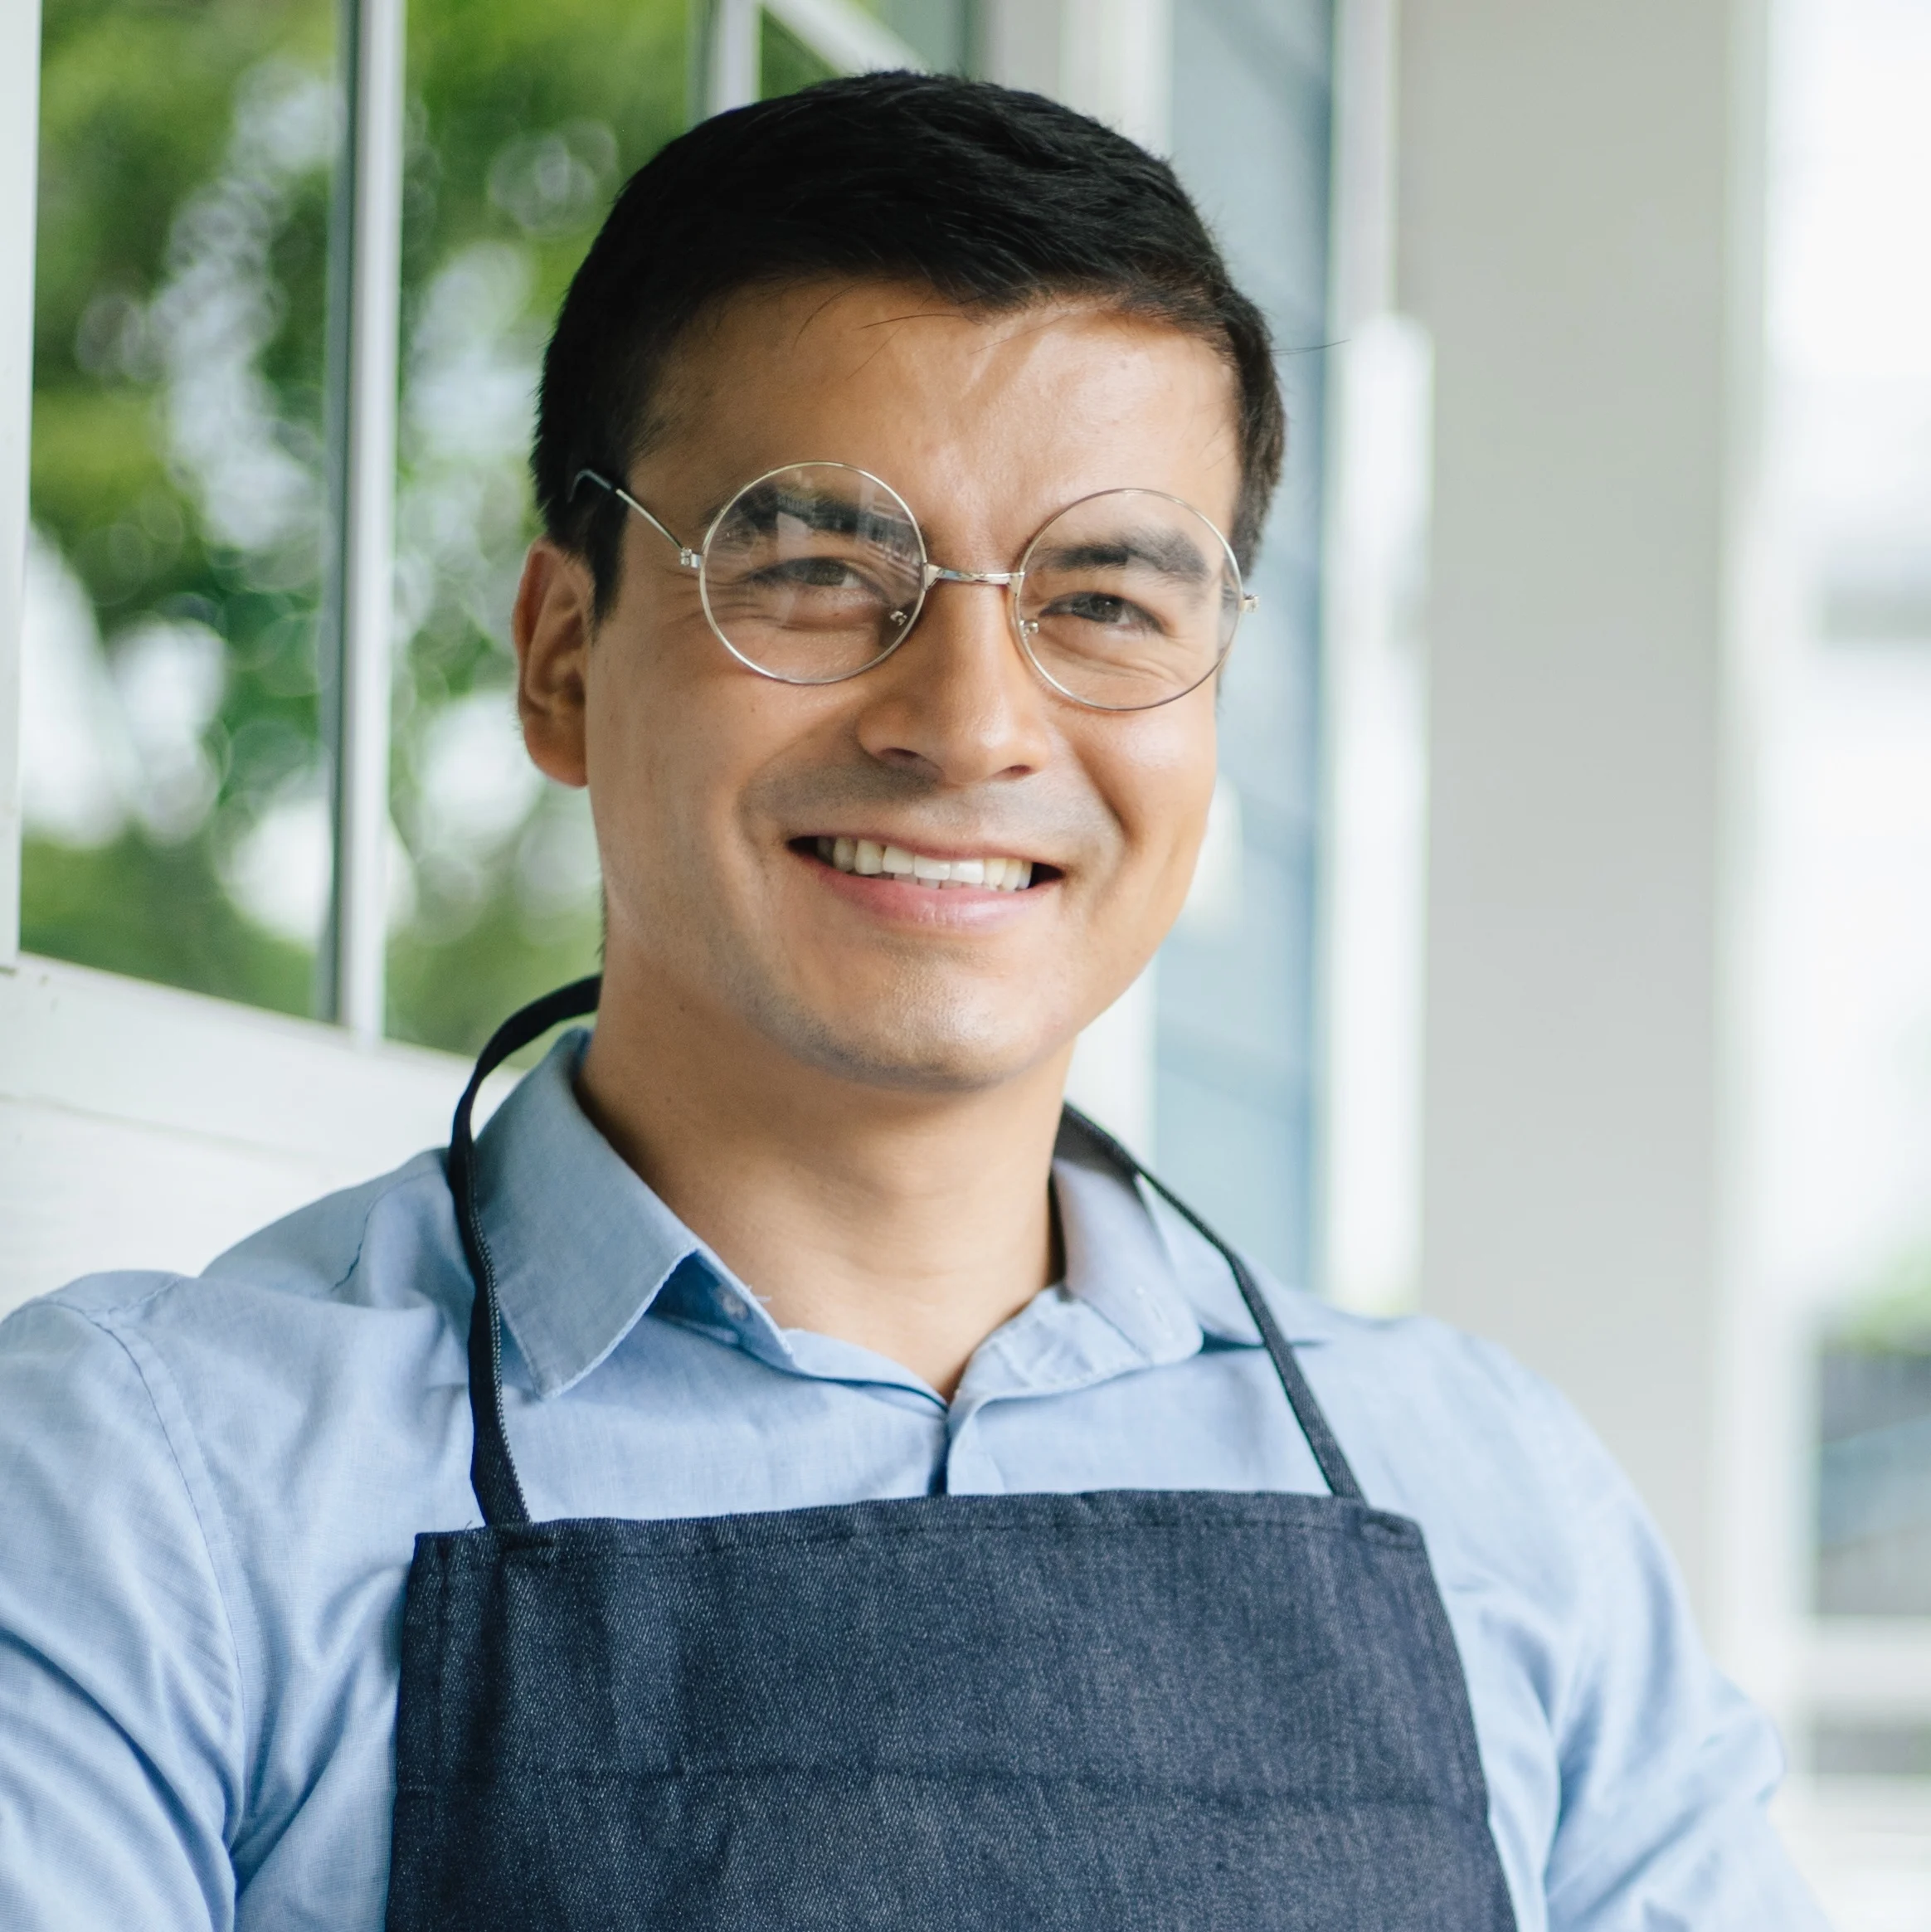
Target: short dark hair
994 199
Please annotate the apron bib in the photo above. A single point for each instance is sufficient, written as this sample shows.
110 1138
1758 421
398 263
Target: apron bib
1124 1709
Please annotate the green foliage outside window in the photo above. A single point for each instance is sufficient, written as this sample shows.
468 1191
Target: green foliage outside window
177 407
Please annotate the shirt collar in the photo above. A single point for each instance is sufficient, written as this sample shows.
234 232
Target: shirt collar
1125 1265
582 1248
1128 1248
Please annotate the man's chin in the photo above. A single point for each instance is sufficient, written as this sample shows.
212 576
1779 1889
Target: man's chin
917 1047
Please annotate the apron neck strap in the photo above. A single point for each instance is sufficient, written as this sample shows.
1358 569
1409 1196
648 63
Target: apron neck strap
1333 1464
493 1474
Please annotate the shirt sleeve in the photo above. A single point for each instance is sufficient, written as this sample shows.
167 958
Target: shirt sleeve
121 1716
1667 1769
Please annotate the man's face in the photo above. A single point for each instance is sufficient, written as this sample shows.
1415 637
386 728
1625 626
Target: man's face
714 789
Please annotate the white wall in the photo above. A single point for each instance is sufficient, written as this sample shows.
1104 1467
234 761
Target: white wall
1580 191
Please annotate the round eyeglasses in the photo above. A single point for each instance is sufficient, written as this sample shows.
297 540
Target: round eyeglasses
816 572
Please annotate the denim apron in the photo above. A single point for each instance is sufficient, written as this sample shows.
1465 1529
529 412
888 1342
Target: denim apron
1125 1709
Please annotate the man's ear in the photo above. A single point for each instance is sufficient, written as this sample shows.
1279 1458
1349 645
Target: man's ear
553 622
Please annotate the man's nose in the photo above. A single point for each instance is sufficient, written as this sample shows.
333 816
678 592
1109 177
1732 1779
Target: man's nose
957 701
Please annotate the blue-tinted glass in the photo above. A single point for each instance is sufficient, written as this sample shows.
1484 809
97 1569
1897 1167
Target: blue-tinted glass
1234 1091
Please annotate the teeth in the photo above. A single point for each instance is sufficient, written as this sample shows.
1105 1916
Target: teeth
868 858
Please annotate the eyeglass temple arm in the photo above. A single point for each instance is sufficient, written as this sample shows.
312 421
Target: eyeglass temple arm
689 558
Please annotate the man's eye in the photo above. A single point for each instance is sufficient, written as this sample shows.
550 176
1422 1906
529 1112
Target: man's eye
1100 607
817 574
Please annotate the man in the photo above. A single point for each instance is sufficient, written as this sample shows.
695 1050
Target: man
849 1495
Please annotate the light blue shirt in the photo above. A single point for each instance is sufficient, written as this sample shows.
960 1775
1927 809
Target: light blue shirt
209 1490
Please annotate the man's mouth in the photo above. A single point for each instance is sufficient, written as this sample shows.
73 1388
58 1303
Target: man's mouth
869 858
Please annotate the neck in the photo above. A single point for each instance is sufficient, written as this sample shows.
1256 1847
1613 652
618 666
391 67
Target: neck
913 1224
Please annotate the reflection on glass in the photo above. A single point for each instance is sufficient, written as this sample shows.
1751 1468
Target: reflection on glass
172 782
1234 1094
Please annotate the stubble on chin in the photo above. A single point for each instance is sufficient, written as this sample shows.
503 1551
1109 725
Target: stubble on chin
925 1031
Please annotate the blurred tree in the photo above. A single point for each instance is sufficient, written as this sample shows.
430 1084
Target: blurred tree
177 360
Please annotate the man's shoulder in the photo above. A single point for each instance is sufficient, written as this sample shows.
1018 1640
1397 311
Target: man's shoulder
390 1241
329 1342
1453 1429
1389 1376
1415 1361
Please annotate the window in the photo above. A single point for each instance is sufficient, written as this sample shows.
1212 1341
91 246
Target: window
1234 1079
295 273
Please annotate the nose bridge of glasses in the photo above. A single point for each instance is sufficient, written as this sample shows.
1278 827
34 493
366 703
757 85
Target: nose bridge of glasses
940 573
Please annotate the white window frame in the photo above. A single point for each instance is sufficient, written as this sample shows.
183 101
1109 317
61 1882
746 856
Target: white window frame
844 35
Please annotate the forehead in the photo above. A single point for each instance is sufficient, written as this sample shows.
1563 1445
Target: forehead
967 410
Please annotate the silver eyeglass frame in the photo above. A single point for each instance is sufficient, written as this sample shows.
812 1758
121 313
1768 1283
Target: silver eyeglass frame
930 573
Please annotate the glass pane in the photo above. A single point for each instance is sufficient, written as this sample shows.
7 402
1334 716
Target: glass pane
1234 1084
173 784
523 122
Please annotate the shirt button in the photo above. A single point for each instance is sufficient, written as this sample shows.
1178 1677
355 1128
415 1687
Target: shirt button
732 1305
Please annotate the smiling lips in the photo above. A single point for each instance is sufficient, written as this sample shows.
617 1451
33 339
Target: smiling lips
869 860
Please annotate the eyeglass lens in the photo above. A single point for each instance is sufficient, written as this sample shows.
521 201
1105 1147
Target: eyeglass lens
816 572
813 573
1127 599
